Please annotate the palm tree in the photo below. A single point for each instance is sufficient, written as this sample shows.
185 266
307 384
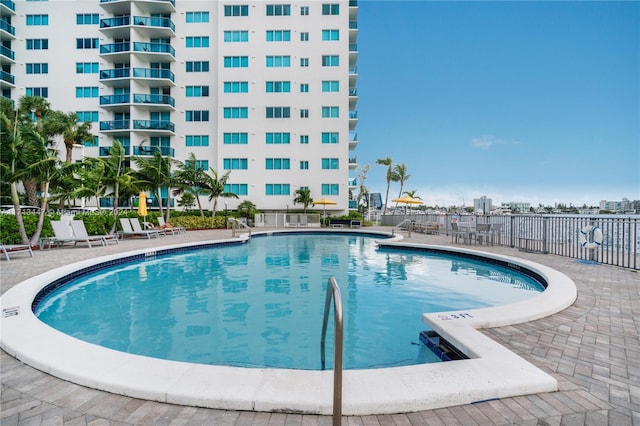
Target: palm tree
363 192
303 196
72 131
400 170
412 194
247 209
31 107
213 186
189 178
154 173
391 177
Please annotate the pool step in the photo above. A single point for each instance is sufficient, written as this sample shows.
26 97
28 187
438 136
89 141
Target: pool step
440 346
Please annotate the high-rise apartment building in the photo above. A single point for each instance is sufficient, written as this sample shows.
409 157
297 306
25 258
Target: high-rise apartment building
263 89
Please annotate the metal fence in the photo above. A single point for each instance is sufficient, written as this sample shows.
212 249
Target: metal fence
553 234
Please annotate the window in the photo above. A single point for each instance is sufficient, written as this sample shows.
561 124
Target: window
236 188
330 60
277 189
86 43
235 164
330 112
330 189
87 116
277 138
304 62
37 20
330 86
236 61
196 42
86 92
304 10
278 86
87 68
304 113
304 36
200 164
37 44
87 18
198 66
331 9
197 91
42 92
329 137
38 68
197 115
236 112
330 35
304 88
278 61
278 112
236 36
278 35
304 139
236 10
278 10
92 142
235 138
197 140
330 164
304 165
277 164
194 17
236 86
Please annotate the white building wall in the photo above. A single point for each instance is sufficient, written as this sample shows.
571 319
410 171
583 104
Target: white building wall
62 80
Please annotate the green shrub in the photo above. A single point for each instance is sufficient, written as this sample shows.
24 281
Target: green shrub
97 223
197 222
9 233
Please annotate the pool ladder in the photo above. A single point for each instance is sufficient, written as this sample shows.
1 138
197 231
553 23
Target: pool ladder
333 292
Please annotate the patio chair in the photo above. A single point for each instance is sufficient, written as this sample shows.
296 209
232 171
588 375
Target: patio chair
483 233
15 248
63 235
173 229
137 227
127 230
457 232
80 231
496 230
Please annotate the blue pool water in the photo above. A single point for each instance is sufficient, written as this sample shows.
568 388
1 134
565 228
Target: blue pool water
261 304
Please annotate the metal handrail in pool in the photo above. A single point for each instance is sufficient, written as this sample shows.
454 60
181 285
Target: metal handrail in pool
333 291
234 223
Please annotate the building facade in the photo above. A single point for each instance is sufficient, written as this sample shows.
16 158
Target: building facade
263 89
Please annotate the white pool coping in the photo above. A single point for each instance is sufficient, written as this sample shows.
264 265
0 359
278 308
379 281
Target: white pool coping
493 372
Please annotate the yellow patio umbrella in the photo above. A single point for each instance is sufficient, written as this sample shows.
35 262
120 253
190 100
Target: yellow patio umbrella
142 206
324 202
407 200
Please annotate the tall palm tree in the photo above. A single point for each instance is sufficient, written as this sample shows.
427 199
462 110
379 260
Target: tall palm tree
303 196
154 173
213 186
73 132
402 176
190 177
412 194
390 177
363 192
31 107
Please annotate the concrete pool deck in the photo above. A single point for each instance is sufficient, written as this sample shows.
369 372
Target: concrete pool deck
591 349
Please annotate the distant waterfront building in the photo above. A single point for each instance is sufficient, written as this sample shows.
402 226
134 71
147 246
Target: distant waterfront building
619 206
482 205
263 89
518 207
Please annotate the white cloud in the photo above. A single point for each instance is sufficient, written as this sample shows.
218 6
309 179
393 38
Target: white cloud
486 142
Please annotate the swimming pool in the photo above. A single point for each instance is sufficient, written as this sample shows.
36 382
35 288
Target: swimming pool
492 371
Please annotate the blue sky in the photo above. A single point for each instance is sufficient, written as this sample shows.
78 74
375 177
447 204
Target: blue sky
518 101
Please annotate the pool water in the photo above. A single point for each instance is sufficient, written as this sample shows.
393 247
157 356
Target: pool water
260 304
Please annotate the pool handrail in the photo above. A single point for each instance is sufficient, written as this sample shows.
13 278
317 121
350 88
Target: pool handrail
235 222
333 292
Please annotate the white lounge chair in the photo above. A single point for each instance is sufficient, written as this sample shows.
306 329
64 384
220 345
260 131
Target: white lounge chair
15 248
127 230
174 229
80 231
150 233
63 235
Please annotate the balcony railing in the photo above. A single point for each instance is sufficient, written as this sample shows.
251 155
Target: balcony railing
115 48
115 99
353 25
154 48
154 125
9 78
124 21
173 2
115 73
9 4
4 25
115 125
353 137
137 73
353 114
353 160
120 21
5 51
150 150
105 151
153 99
353 47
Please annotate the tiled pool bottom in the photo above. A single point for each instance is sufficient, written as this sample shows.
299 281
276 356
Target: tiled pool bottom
493 372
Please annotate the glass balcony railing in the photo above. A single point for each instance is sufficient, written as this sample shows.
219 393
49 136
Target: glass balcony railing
353 114
353 182
353 70
115 125
115 99
154 48
154 125
353 160
353 92
353 25
353 137
153 73
154 99
353 47
105 151
115 48
5 51
120 21
9 78
124 21
353 3
115 73
5 26
9 4
150 150
173 2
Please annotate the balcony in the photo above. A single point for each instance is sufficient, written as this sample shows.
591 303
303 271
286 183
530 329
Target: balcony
105 151
7 28
155 102
154 74
353 163
7 80
115 100
123 7
353 141
120 26
114 126
353 76
353 183
157 50
116 52
353 98
7 7
146 151
353 120
119 77
158 125
7 55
